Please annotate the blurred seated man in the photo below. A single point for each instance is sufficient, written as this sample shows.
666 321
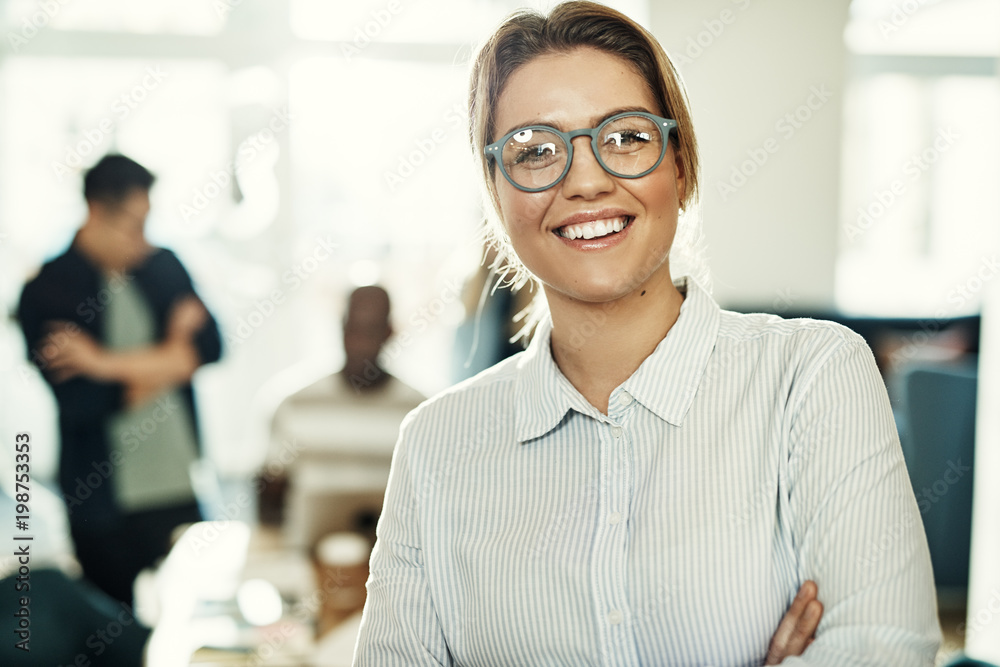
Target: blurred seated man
117 330
337 432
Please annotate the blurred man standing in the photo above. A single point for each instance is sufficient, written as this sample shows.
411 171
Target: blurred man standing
117 330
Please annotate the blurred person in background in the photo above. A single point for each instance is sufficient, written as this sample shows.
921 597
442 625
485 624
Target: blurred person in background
67 620
334 435
117 330
488 331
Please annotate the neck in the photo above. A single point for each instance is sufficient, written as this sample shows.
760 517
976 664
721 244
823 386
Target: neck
364 375
598 346
94 245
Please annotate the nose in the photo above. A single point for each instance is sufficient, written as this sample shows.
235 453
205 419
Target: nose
586 177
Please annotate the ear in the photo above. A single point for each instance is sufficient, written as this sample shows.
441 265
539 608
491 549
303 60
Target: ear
96 209
681 183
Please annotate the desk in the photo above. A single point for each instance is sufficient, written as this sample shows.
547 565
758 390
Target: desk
206 630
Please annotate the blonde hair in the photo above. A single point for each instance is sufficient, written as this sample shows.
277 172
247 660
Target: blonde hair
527 34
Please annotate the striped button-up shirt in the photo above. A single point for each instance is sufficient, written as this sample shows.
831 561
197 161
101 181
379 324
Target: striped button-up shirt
747 454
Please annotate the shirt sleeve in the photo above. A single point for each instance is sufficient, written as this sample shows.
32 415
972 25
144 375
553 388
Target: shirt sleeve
207 340
855 521
399 625
81 400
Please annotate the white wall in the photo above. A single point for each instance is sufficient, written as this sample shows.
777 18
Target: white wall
747 64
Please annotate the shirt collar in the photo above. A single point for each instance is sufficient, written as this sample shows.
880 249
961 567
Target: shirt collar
665 383
544 393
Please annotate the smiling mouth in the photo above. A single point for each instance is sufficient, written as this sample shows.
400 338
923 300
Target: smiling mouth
595 228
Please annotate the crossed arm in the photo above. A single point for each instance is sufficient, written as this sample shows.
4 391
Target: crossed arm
145 372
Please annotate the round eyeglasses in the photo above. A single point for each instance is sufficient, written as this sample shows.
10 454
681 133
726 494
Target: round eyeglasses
627 145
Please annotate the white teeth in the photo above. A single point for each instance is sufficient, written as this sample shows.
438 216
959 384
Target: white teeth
595 229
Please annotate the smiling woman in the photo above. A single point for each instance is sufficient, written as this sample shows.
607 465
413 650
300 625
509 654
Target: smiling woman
654 480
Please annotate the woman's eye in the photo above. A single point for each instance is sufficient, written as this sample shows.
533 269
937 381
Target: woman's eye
627 138
537 153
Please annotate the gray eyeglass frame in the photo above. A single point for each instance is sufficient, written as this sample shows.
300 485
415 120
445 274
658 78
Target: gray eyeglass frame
495 150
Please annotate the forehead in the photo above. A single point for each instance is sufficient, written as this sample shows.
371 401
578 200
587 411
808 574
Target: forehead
571 90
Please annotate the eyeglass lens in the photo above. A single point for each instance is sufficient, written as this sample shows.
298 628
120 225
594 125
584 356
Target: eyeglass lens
626 146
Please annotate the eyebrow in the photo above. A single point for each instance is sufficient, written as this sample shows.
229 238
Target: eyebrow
594 121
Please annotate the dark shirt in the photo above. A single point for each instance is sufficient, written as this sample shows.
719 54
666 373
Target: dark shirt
72 289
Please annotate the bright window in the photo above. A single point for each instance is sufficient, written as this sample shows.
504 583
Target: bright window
921 158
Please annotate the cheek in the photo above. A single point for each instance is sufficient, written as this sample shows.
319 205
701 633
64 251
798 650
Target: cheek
523 211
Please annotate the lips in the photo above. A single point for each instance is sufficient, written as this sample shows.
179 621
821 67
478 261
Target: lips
592 229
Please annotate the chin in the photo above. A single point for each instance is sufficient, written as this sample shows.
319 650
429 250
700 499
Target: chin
594 292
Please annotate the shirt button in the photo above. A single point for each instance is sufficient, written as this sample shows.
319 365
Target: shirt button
615 617
616 431
614 518
624 398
